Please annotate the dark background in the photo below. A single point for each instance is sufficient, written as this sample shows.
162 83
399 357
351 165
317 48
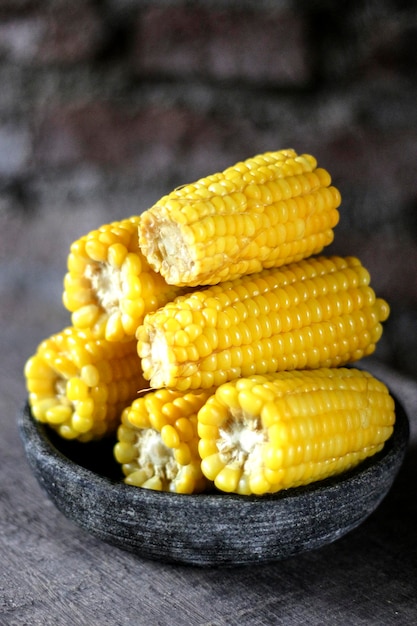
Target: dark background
106 105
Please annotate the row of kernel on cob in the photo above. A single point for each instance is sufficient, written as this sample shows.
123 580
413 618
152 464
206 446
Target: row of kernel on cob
211 333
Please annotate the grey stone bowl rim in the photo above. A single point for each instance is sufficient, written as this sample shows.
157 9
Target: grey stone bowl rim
212 529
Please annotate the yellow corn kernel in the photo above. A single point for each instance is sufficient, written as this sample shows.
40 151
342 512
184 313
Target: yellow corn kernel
170 436
318 312
212 464
79 384
109 286
270 210
311 424
157 445
58 414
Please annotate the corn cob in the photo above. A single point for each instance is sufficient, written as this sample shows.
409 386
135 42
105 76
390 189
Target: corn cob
79 385
158 442
109 286
319 312
266 433
269 210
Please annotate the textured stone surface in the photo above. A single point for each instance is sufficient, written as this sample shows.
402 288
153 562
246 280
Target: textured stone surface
206 529
52 573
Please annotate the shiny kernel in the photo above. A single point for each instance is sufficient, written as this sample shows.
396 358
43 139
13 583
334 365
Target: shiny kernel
209 379
249 402
157 421
181 338
138 418
81 424
135 308
236 357
171 325
206 447
89 374
207 431
116 254
86 316
58 414
136 478
76 389
193 331
129 325
243 486
133 286
182 454
225 338
126 433
40 407
184 384
96 250
85 408
209 363
254 328
67 432
184 317
124 452
172 410
211 414
114 327
270 414
35 367
211 335
258 483
170 436
203 346
76 263
227 478
185 482
184 428
133 264
40 385
383 309
154 483
210 316
64 366
223 321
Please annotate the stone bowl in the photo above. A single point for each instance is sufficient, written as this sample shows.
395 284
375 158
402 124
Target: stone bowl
211 529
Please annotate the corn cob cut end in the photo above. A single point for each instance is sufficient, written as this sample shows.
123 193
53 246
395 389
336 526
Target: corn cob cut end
269 210
79 385
319 312
157 442
109 286
267 433
166 249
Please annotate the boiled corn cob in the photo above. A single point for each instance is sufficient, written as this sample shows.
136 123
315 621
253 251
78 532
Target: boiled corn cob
319 312
272 209
158 442
109 286
266 433
79 385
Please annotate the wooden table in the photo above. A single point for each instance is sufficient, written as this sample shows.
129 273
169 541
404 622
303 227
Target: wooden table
53 574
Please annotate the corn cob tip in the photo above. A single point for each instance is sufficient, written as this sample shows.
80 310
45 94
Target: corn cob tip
319 312
269 210
267 433
157 442
109 286
79 385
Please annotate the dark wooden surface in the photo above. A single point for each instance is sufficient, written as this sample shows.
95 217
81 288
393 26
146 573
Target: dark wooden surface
53 574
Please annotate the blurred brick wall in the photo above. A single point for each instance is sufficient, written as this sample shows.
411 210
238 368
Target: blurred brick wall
105 105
